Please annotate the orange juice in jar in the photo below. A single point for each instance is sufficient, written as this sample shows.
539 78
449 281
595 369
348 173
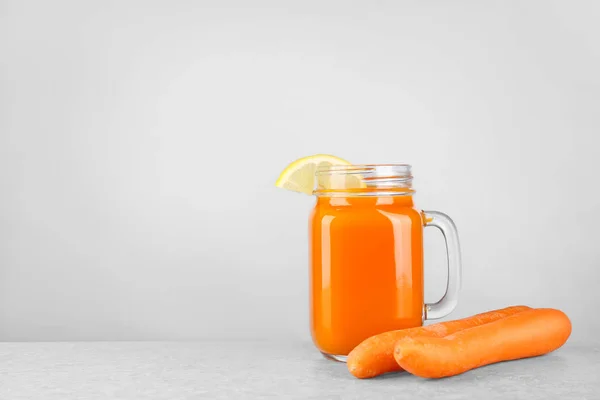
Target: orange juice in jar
366 251
366 242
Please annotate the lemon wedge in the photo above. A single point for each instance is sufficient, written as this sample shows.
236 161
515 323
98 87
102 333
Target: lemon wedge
299 176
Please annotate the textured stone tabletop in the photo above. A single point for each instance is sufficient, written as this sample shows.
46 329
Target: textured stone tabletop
247 370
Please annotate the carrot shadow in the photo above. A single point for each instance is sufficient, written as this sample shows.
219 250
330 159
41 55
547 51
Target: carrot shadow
526 368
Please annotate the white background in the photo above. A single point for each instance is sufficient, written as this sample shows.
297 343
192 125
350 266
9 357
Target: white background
140 140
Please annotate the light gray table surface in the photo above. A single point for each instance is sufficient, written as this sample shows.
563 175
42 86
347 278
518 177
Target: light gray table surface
247 370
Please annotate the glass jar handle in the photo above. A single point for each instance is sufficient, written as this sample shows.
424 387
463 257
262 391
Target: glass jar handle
449 300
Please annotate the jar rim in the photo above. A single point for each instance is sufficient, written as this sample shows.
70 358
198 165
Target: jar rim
397 167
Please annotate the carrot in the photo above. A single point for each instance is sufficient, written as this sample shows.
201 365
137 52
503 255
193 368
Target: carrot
375 355
526 334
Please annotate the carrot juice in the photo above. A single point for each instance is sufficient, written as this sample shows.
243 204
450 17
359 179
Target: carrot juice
366 269
366 256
